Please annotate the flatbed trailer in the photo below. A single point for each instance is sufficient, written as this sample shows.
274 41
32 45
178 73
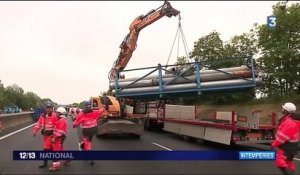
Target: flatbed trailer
240 128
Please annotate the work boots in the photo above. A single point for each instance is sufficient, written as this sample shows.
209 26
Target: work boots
55 166
287 171
44 164
81 146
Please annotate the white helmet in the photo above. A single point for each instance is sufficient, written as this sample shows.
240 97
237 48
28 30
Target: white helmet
61 110
289 107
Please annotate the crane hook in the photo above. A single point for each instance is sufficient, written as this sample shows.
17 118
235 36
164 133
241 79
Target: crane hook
179 20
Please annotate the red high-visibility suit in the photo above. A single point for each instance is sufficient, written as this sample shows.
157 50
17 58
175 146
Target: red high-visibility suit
88 120
59 136
59 133
47 123
287 139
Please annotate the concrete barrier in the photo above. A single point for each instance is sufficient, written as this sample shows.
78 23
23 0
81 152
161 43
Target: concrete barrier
11 120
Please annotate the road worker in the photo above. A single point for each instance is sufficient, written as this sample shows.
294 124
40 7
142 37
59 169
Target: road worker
88 119
287 140
72 111
77 111
47 122
59 135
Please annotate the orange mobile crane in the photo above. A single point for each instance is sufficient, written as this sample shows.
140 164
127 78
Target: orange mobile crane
129 43
120 116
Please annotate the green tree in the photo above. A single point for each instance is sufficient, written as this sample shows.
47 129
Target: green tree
243 45
280 52
181 63
32 100
216 54
3 99
81 105
237 50
181 60
14 95
208 48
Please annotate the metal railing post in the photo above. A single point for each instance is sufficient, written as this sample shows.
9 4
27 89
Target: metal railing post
160 80
198 77
116 82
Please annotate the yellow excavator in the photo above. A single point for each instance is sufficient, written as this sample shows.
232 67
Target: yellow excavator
126 115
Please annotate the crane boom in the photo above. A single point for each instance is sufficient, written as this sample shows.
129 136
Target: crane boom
129 43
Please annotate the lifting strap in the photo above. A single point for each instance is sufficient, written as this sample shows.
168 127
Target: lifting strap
179 33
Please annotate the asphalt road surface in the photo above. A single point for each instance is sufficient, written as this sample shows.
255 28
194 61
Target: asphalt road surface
24 140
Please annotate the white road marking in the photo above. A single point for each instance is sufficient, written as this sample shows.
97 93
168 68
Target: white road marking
296 159
162 146
15 132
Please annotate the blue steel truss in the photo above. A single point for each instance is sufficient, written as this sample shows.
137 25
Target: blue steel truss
196 90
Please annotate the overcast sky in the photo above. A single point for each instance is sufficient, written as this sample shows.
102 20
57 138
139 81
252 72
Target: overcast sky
64 50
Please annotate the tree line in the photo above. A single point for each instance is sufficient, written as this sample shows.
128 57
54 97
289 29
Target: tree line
14 96
276 51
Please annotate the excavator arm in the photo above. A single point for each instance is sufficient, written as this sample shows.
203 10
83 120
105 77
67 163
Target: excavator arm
129 43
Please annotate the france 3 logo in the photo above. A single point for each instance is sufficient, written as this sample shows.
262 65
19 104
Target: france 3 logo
271 22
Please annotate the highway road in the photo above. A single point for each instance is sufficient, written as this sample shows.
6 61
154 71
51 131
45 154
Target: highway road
24 140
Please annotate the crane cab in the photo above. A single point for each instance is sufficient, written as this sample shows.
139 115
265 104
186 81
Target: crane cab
111 104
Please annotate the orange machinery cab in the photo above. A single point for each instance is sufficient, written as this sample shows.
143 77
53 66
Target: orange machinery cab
111 104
